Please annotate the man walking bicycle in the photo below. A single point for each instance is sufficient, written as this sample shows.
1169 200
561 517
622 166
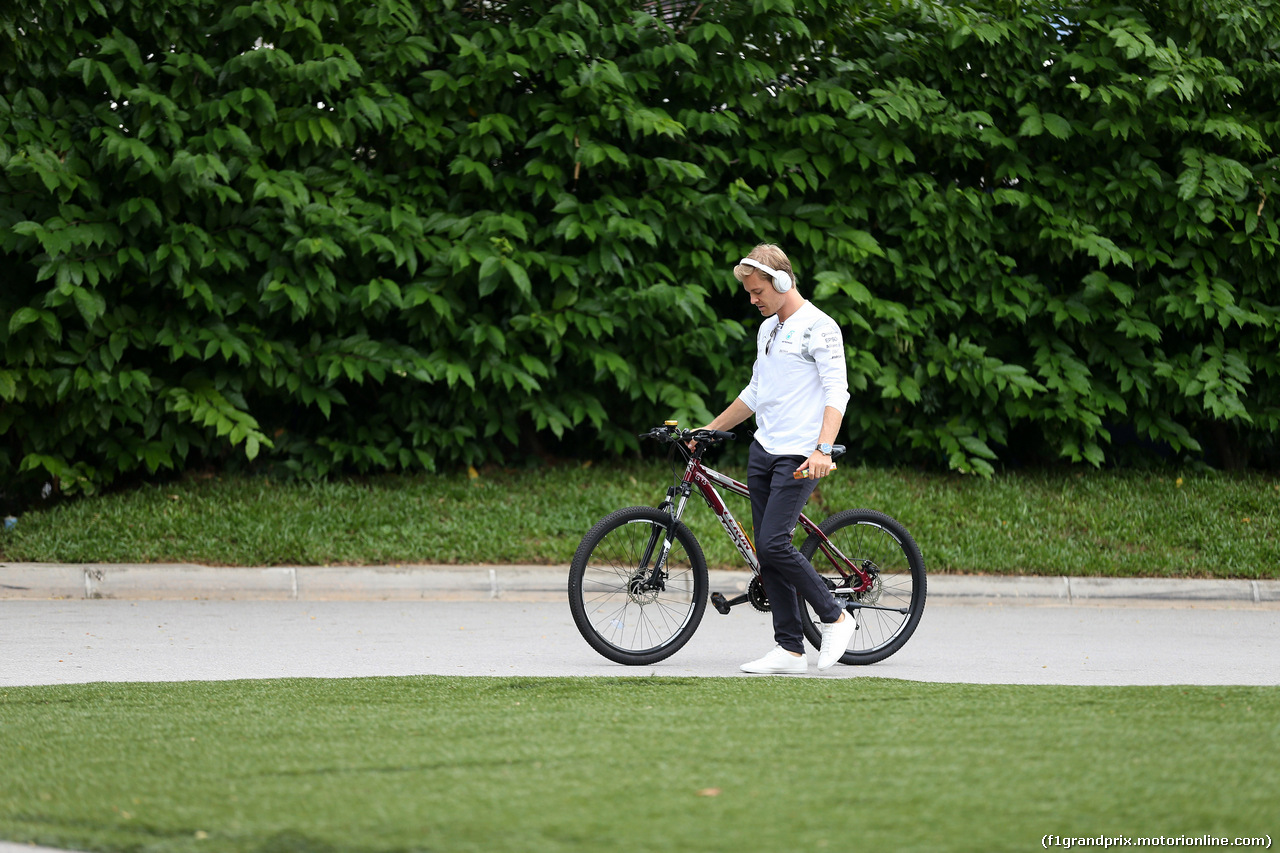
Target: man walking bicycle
798 393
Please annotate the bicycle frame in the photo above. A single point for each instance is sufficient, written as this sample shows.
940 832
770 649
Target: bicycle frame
706 479
639 582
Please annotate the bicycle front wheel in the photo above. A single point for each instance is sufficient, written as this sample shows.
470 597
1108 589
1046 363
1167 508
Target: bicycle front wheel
620 609
889 611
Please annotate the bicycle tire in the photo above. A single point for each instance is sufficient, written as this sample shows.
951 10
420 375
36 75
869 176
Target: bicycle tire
865 534
621 622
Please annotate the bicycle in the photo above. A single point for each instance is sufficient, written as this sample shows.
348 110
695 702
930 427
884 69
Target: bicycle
638 581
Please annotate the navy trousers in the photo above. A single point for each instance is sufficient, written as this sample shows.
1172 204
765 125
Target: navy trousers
777 499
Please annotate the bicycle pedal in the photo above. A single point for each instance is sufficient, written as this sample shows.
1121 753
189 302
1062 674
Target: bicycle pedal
719 602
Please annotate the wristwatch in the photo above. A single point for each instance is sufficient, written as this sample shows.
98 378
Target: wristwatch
824 448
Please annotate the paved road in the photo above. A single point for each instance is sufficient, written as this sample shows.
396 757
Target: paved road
57 642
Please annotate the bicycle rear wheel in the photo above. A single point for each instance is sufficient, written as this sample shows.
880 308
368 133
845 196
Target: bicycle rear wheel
889 612
615 609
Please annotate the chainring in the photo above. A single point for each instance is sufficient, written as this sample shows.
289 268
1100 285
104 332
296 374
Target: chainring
756 595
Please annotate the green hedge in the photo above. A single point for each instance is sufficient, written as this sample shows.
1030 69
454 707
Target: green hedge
396 235
1073 210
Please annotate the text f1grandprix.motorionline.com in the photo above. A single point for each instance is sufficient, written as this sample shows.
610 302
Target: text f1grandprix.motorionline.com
1107 841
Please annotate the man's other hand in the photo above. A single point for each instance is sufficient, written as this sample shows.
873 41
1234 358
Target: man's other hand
818 465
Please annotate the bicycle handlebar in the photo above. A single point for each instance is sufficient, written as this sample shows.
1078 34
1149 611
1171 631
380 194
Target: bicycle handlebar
668 432
708 435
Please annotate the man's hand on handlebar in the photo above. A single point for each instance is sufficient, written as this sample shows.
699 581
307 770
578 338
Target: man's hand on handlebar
707 433
690 437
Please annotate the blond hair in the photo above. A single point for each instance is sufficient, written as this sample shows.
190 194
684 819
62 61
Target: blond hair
769 255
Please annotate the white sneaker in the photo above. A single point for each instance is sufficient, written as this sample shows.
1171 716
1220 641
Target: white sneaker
835 640
778 662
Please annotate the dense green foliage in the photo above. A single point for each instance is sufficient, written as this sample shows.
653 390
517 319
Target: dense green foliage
398 235
1073 214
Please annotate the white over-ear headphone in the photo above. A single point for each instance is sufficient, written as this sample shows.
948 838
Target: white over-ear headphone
781 281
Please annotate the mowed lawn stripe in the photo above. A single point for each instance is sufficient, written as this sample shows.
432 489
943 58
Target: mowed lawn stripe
482 764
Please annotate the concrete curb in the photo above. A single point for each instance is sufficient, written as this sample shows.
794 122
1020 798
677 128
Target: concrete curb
160 581
1072 590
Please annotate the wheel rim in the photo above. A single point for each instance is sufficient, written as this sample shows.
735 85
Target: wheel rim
869 544
622 614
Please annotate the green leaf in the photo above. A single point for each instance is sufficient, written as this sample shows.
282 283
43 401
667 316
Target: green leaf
519 276
24 316
1032 125
489 274
89 303
976 446
1056 125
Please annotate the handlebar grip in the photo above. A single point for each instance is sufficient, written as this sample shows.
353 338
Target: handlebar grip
704 434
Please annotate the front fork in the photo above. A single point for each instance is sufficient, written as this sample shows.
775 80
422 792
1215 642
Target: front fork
663 537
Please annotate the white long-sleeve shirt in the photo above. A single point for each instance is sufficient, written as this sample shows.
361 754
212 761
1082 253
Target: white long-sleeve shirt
802 373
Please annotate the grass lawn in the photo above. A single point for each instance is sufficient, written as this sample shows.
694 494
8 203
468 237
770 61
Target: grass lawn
476 764
1119 523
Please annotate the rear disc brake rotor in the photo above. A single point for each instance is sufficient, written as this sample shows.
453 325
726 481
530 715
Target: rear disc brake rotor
871 595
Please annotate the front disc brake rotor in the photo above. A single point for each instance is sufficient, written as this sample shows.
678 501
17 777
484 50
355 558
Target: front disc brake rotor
639 591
